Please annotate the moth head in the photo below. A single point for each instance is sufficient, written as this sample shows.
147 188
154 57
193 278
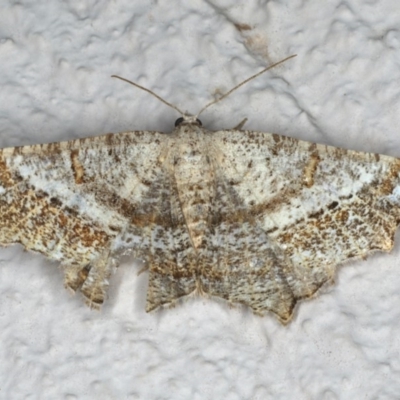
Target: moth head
188 120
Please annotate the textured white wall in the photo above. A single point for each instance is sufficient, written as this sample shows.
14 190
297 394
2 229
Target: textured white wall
342 89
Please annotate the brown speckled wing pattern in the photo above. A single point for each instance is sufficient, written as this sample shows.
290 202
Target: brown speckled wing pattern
250 217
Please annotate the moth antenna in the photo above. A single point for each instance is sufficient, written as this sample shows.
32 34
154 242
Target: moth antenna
149 91
244 82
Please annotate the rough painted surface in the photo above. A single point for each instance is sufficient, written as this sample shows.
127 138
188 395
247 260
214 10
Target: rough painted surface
341 90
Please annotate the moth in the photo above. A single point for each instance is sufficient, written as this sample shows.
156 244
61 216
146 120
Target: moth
250 217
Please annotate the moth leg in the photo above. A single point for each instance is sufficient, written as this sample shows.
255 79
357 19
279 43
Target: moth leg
240 125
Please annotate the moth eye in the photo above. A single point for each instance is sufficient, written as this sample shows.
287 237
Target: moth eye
178 121
199 122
